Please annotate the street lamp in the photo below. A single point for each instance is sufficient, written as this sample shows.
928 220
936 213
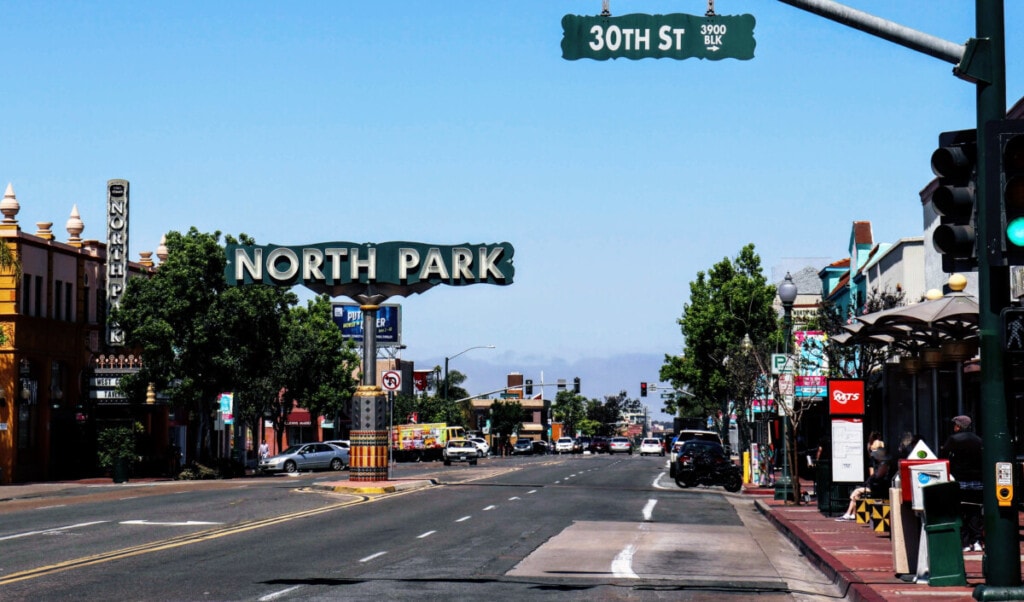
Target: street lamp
787 294
455 356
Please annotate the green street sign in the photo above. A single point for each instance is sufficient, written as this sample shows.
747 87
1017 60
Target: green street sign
675 36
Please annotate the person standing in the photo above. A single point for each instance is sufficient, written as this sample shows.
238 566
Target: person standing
963 450
264 451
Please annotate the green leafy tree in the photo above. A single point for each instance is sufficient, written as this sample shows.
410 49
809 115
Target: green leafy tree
198 337
506 420
317 365
730 300
569 409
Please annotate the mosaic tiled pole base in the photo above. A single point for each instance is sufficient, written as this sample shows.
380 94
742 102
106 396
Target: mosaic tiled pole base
368 447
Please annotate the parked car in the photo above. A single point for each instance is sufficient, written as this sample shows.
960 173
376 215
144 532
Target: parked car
342 443
620 445
599 445
682 438
580 445
541 447
523 447
689 450
564 445
651 446
482 446
306 456
460 450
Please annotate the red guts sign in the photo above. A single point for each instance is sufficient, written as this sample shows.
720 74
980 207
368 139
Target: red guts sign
845 396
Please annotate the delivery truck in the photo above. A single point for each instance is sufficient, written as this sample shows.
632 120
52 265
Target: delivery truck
422 442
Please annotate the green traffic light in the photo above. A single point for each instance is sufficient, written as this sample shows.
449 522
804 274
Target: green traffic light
1015 231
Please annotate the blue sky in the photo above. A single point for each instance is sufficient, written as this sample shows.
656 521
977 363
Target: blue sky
453 122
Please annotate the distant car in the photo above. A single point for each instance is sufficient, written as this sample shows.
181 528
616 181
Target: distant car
564 445
460 450
523 447
342 443
580 445
682 438
651 446
541 447
482 446
306 456
620 445
598 445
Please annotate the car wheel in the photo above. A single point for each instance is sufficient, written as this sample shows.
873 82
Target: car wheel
733 483
337 464
291 467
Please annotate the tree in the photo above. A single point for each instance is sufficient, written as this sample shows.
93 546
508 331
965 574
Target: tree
569 409
506 420
729 301
435 408
856 360
319 367
198 337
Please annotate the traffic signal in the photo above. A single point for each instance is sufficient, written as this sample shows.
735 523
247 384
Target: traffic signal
643 389
955 164
576 385
529 387
1005 173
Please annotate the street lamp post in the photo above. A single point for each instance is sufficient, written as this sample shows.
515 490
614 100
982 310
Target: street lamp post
787 294
455 356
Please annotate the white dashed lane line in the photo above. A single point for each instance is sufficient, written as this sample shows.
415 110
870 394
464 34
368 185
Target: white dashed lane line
649 510
463 519
372 556
427 534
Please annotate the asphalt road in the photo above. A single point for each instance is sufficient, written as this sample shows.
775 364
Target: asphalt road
576 527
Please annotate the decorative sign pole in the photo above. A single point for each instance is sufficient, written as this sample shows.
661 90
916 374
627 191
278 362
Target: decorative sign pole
369 273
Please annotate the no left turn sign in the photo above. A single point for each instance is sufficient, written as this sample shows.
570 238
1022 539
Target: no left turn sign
391 380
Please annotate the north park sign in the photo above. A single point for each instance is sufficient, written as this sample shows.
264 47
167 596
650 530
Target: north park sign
392 268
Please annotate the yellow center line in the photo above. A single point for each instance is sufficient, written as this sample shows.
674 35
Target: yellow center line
174 542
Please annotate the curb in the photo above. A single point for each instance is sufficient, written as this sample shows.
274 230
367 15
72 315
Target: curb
855 590
368 489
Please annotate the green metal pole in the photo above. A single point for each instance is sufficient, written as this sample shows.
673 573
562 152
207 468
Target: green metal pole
1001 564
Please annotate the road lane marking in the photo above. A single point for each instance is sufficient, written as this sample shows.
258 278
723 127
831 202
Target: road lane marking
491 507
622 566
48 507
427 534
514 497
657 481
531 491
649 510
178 541
372 556
464 518
187 523
278 594
53 530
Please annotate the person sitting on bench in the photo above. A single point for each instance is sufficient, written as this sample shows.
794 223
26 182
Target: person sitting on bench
877 485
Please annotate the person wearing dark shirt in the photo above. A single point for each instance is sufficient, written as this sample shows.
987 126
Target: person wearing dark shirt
877 485
963 450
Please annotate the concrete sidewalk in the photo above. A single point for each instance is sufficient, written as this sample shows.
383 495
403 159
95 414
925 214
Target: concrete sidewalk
855 556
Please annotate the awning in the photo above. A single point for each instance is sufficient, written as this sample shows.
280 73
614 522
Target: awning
299 417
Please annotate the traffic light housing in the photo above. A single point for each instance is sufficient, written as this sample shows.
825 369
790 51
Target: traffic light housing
643 389
1004 156
955 164
529 387
576 385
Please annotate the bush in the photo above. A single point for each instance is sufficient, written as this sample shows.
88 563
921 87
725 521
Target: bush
117 443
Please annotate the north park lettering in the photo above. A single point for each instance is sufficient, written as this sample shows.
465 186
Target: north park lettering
341 263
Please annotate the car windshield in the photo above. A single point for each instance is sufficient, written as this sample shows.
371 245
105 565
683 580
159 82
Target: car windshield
651 442
292 449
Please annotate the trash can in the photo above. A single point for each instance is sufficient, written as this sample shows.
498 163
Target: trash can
832 497
942 530
120 470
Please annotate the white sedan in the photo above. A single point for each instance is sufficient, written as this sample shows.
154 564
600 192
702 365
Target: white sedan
482 447
651 446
